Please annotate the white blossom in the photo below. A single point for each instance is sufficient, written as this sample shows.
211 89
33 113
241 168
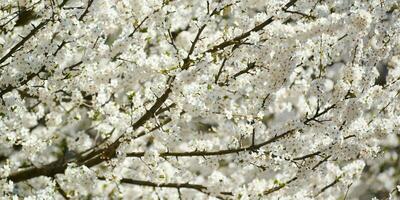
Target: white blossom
173 99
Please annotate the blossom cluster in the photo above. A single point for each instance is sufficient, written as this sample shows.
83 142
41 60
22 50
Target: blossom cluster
213 99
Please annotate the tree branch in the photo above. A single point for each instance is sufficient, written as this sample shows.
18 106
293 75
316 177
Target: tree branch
198 187
24 39
244 35
219 152
90 2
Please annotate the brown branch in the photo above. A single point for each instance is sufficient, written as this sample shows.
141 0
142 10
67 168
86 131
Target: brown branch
220 70
108 152
138 27
347 191
198 187
186 61
307 156
146 18
219 152
249 67
328 186
280 186
308 16
265 100
63 43
21 82
61 191
244 35
168 185
97 156
22 42
48 170
317 113
70 68
89 160
90 2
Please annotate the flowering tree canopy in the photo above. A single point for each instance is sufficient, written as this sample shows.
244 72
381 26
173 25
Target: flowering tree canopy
199 99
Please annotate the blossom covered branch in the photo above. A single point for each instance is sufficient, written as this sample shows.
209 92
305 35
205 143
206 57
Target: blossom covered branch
228 99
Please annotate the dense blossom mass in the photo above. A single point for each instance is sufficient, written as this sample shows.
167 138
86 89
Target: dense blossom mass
199 99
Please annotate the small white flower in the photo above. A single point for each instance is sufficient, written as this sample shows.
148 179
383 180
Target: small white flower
254 37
